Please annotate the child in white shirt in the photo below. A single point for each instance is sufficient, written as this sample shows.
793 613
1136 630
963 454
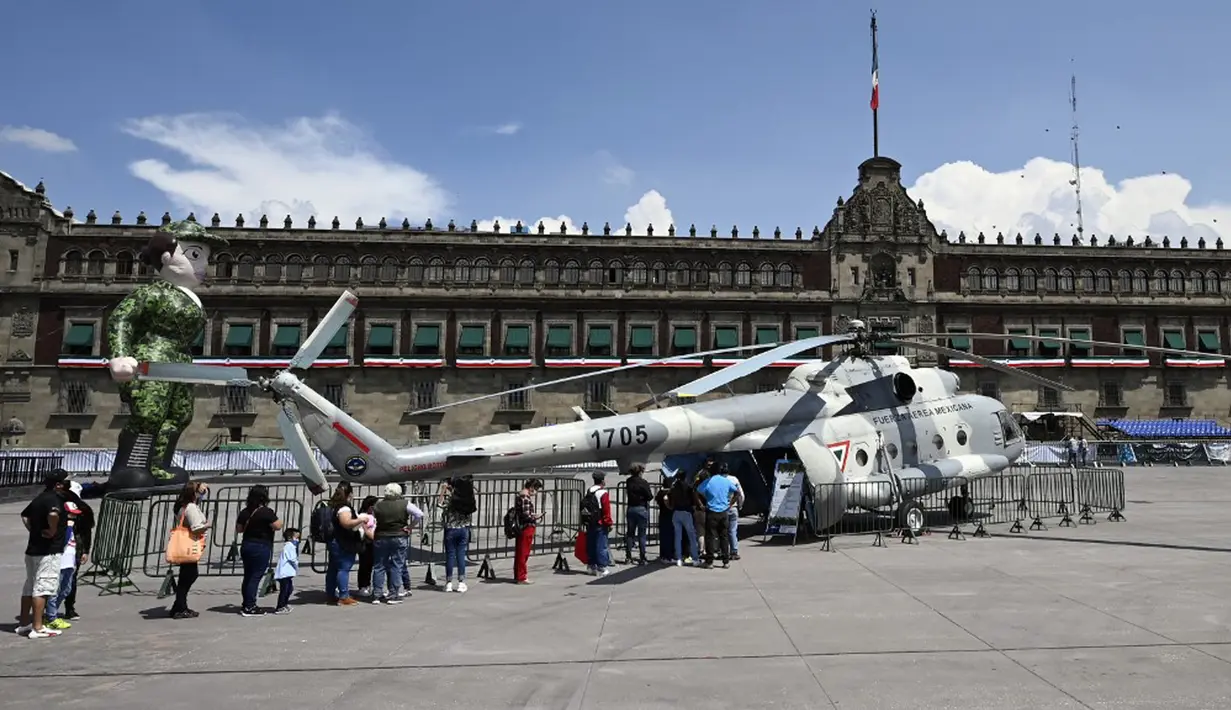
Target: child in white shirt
288 567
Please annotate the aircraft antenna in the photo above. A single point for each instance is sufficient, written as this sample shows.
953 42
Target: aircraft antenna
1074 135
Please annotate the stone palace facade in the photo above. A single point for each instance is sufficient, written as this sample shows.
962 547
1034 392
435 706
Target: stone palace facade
447 313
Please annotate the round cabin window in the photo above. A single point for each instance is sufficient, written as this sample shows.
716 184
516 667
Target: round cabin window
939 441
861 457
892 450
961 437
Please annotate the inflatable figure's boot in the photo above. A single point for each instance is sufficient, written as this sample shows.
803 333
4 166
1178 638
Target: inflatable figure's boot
131 466
162 453
163 467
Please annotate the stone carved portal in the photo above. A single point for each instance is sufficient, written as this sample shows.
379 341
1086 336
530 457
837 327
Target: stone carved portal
883 270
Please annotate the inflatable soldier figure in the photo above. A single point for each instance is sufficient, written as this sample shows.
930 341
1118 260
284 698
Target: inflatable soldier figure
158 322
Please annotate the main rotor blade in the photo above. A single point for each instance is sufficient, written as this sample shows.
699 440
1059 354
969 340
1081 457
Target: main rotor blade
757 362
988 363
325 330
1091 343
301 450
190 374
596 373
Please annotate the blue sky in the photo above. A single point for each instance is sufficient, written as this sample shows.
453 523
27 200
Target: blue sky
733 112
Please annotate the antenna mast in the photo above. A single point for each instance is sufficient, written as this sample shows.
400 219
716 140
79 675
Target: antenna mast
1076 157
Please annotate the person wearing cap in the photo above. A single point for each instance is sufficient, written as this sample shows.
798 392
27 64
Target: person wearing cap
598 527
44 519
389 545
83 533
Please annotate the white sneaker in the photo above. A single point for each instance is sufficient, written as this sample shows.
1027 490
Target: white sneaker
679 563
461 587
448 586
23 630
42 633
603 572
365 591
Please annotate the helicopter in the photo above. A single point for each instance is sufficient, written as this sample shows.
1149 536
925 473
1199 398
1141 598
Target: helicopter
858 418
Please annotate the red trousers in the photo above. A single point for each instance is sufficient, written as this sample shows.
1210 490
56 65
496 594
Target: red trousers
521 554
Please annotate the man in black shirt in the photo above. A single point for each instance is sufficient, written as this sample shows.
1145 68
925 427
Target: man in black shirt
637 515
44 518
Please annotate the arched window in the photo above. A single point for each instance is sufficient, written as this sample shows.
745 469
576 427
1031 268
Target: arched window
96 263
435 273
726 275
974 279
294 269
615 275
272 268
786 276
1158 282
683 274
224 267
1030 281
246 270
1124 281
1087 280
1176 283
74 265
1196 282
991 280
508 271
594 273
572 273
389 269
638 274
342 269
551 272
320 269
1050 280
1103 282
415 272
482 273
767 276
369 267
525 272
701 274
461 271
1012 281
1066 280
743 276
124 262
1213 284
658 274
1141 281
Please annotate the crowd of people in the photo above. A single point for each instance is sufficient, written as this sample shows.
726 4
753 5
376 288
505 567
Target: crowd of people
375 534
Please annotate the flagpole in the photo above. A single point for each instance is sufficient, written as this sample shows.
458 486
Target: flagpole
876 142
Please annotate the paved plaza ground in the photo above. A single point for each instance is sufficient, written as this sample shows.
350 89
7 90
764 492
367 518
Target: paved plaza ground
1115 615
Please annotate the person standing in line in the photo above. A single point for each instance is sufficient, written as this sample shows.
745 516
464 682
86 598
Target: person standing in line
637 515
367 552
68 570
188 505
527 523
344 541
458 505
389 545
257 522
709 468
716 494
666 535
83 532
44 520
683 506
733 511
596 514
288 568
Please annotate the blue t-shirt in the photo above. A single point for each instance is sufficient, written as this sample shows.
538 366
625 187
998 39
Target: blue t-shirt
717 492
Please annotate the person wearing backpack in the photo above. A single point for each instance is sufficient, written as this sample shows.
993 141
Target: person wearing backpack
596 514
524 523
343 542
457 508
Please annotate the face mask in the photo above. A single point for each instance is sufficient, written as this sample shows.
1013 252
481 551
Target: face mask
202 496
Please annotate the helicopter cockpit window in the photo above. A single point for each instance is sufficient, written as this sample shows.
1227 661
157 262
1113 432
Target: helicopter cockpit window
1008 428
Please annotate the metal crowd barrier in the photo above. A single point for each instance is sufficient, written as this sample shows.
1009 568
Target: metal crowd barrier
1023 498
18 471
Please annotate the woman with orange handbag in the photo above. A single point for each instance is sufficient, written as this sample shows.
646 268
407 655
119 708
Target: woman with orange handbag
191 523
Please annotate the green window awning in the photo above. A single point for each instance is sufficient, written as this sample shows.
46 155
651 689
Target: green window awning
473 336
1209 341
1134 338
767 335
805 332
959 339
726 336
380 336
561 336
1049 333
600 336
1173 339
642 337
1079 334
339 338
200 341
517 336
239 336
427 336
1019 343
80 335
287 336
685 337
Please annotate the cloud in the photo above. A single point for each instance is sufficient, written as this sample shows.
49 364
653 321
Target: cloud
507 129
615 172
650 209
36 139
318 167
1039 198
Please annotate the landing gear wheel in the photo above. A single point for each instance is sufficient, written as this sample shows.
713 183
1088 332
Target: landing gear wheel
961 508
911 517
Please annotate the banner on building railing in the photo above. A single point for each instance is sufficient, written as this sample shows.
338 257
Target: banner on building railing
784 507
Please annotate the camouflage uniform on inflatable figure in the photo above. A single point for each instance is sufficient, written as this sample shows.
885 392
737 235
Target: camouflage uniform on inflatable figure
158 322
